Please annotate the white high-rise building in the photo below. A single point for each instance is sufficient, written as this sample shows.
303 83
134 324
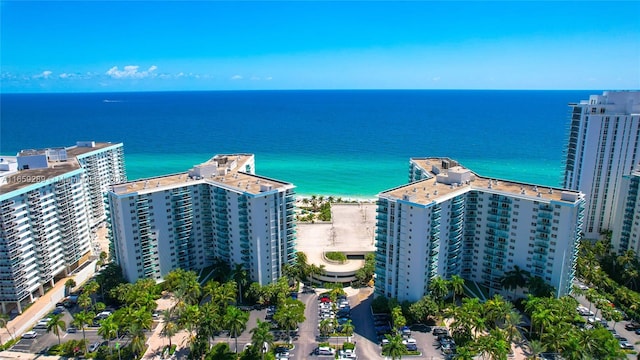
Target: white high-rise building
626 228
451 221
45 217
218 210
602 147
104 166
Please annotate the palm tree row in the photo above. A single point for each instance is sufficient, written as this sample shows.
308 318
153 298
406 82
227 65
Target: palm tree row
596 265
488 329
206 311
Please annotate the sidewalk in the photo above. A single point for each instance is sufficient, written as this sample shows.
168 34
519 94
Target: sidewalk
33 313
156 341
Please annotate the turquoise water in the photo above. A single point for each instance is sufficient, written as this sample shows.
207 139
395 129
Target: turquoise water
345 143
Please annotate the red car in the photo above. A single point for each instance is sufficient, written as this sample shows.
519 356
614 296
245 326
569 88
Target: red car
325 299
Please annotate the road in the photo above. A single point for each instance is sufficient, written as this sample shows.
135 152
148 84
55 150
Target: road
618 327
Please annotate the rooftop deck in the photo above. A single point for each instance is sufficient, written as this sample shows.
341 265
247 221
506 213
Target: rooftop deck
80 150
23 178
233 177
18 180
429 190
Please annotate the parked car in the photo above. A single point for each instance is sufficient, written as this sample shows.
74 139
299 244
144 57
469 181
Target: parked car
93 347
282 351
30 335
103 315
410 344
58 310
420 328
72 330
625 345
325 350
632 325
440 331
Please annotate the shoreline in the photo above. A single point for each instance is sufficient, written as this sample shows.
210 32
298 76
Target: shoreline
346 199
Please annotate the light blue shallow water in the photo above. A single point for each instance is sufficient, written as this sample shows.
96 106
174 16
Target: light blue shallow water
346 143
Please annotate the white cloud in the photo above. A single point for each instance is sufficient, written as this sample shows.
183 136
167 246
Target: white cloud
255 78
236 77
131 72
268 78
8 75
437 78
43 75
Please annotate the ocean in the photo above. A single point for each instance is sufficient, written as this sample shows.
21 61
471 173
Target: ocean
345 143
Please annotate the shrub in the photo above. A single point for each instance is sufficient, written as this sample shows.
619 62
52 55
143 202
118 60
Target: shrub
336 256
348 346
380 305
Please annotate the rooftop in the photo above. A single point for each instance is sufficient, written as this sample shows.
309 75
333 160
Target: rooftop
23 178
18 180
80 150
429 190
226 169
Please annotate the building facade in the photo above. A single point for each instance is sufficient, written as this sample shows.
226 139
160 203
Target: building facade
626 229
45 219
103 167
218 210
451 221
602 147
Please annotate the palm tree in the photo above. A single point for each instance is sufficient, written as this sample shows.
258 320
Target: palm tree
512 325
80 320
184 282
209 322
394 348
108 330
514 279
84 301
240 276
542 317
315 270
397 318
439 289
538 287
261 335
236 321
68 285
56 324
348 329
138 339
499 347
221 295
464 353
188 320
536 348
289 315
91 288
143 319
4 323
457 285
169 329
325 327
497 309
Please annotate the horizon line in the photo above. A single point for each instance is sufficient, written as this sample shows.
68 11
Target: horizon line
287 90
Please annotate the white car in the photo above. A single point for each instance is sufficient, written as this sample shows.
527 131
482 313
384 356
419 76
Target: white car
104 314
30 335
593 319
93 347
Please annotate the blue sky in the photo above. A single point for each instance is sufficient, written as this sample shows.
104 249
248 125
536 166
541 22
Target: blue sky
79 46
